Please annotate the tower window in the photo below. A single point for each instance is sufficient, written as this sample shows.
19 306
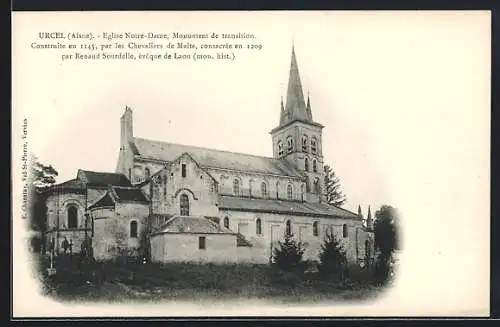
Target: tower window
302 187
226 222
314 148
183 168
288 227
236 187
72 217
133 229
289 144
306 164
344 230
289 192
315 229
367 249
147 172
258 227
184 205
305 143
315 168
263 189
202 243
280 148
317 187
165 186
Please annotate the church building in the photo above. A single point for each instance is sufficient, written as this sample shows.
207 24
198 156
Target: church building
207 205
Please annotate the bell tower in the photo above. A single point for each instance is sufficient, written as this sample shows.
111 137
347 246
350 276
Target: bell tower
298 139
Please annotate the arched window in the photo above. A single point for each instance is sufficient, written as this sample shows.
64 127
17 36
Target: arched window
184 204
288 229
315 229
344 230
277 190
226 222
306 164
72 217
280 148
263 189
314 148
304 143
236 187
289 192
315 166
133 229
147 172
367 249
258 226
302 191
165 186
289 144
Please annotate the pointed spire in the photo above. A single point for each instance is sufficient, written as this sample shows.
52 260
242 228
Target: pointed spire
369 213
369 220
308 108
360 214
282 113
295 105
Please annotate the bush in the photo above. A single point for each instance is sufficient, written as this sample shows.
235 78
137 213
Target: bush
332 258
288 257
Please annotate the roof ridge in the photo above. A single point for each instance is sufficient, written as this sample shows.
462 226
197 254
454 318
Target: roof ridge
205 148
101 172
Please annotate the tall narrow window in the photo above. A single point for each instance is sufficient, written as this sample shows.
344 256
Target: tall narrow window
306 164
236 187
344 230
263 189
72 217
258 226
277 190
165 186
183 167
226 222
315 229
289 144
202 243
304 143
315 166
184 203
288 227
289 192
317 187
302 191
133 229
367 249
280 148
314 145
147 172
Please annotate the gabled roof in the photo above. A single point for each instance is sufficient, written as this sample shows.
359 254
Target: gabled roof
121 193
211 158
284 207
75 185
118 194
192 225
93 178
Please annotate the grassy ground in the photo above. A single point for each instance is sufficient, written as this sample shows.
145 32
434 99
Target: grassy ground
122 282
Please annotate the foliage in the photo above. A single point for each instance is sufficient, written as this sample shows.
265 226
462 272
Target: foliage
332 257
145 241
386 230
334 194
288 256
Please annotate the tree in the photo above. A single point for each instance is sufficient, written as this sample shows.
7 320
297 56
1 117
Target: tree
334 194
288 256
332 257
386 241
386 229
40 177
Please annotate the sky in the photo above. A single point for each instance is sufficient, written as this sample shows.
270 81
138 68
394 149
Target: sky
404 98
367 82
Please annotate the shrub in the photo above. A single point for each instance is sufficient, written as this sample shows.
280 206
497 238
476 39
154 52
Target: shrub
332 258
288 256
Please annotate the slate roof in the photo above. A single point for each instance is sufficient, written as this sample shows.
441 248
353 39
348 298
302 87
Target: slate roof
129 194
284 207
70 185
105 201
94 178
211 158
192 225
